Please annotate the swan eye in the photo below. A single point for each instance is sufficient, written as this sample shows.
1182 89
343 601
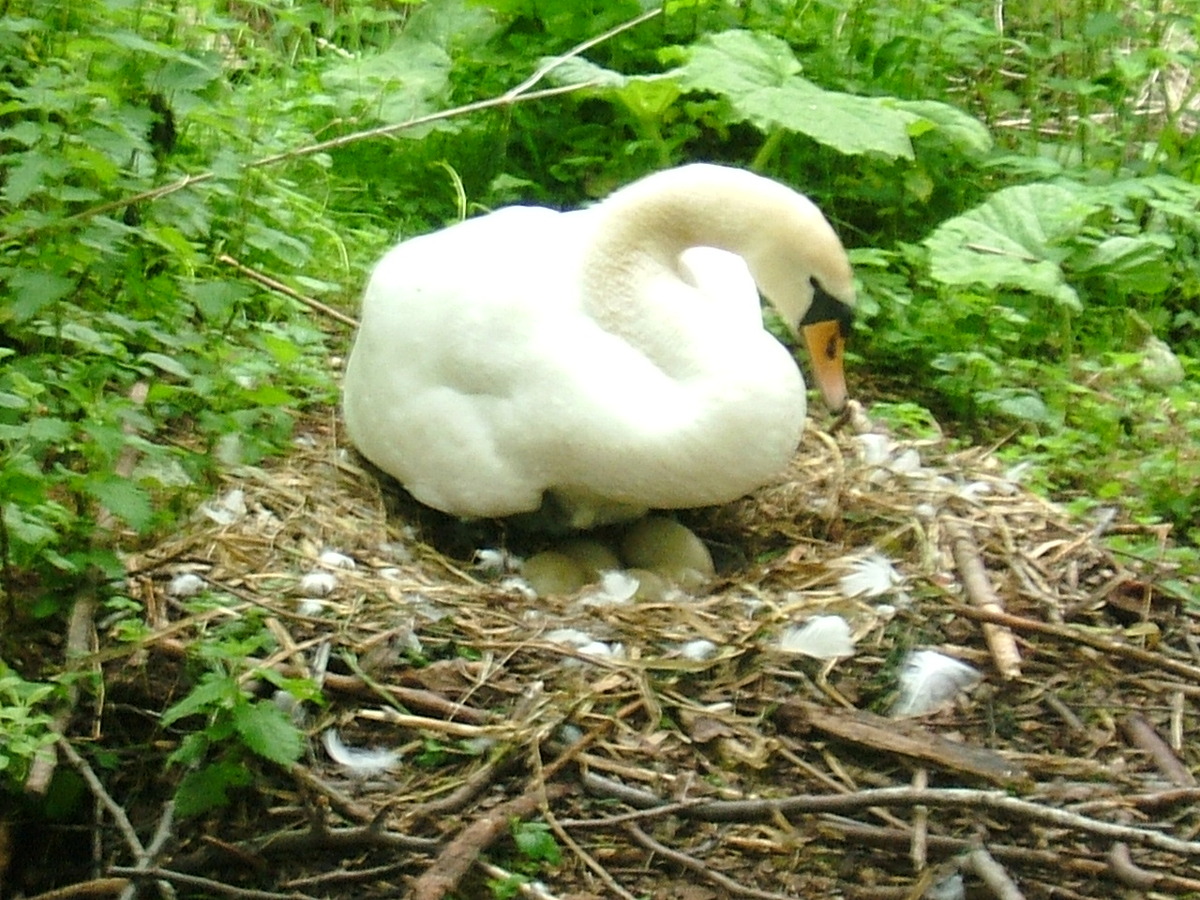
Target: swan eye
827 308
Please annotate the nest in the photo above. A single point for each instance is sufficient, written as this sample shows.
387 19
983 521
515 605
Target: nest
654 769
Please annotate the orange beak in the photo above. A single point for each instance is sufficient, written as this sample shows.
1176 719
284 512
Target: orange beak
826 346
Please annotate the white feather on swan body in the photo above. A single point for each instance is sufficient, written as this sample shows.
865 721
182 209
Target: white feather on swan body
614 356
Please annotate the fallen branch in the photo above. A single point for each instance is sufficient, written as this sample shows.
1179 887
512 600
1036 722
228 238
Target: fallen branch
1080 636
903 738
732 888
210 885
280 288
759 810
978 586
457 857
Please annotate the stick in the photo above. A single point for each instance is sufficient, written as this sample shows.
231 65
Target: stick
691 863
81 629
802 804
208 884
1142 735
993 875
1080 636
1000 640
94 888
281 288
457 857
124 826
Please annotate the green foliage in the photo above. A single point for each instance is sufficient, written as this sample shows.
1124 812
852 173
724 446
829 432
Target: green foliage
214 754
24 725
224 727
536 849
535 842
129 353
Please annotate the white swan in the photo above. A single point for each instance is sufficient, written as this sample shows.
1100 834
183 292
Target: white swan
612 357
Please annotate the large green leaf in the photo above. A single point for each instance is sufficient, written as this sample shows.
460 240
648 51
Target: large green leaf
1018 239
1137 264
962 131
645 96
409 79
758 75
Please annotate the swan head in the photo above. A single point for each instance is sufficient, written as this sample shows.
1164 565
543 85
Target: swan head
825 327
803 271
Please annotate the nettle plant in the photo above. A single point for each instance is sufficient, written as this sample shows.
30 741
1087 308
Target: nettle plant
129 354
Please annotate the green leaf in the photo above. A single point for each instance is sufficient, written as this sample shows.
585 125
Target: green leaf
25 178
1018 239
208 787
49 429
738 63
267 730
33 291
168 364
964 132
1023 405
645 96
535 841
757 74
218 299
1135 264
123 498
407 80
213 692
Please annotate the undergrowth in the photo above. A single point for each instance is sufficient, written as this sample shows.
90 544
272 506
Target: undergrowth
1011 191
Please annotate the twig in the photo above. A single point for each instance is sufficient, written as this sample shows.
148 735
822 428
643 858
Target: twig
345 876
8 577
281 288
1143 736
456 858
338 801
208 884
859 834
1080 636
586 858
648 814
918 849
692 864
1000 640
124 826
802 804
532 890
548 814
355 837
1128 873
81 629
85 890
993 875
161 834
471 787
140 855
